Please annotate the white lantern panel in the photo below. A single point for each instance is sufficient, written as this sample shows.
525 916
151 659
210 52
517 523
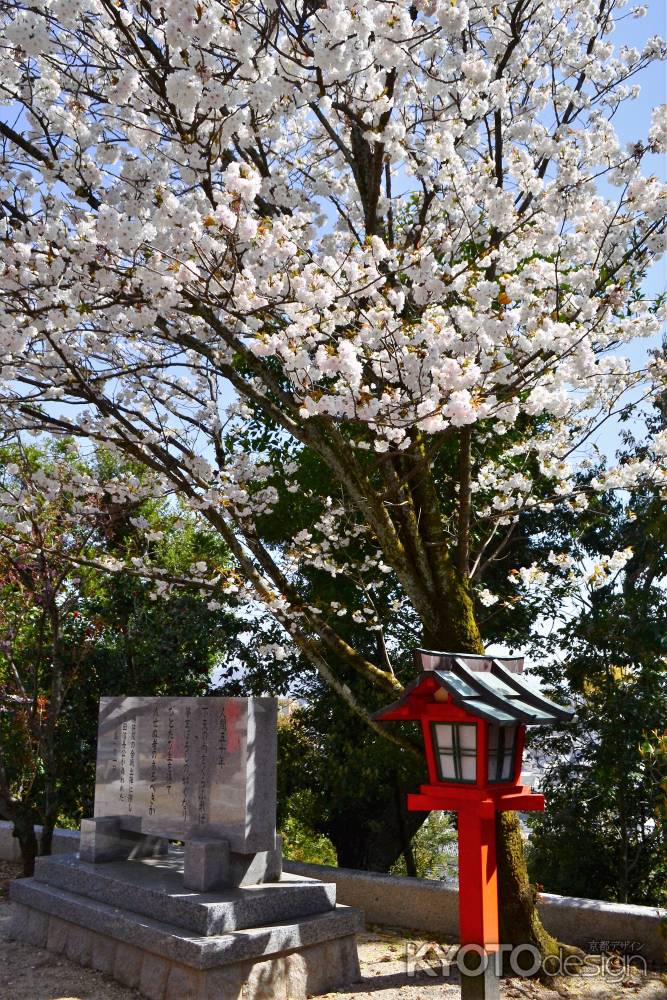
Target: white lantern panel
468 768
455 746
447 769
502 746
443 734
467 737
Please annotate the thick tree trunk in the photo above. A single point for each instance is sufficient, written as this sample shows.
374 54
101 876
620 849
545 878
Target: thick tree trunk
46 836
456 631
373 847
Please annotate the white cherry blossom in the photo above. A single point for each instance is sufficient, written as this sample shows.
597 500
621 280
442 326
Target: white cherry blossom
406 239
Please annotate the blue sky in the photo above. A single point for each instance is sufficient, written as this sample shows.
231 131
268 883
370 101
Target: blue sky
634 118
632 123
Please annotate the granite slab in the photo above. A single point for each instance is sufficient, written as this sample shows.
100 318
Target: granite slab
178 768
197 951
154 887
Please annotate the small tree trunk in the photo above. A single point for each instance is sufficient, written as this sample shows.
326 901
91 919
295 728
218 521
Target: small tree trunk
24 831
406 837
46 836
519 920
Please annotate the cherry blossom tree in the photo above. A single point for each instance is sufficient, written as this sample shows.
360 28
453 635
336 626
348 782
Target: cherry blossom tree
405 239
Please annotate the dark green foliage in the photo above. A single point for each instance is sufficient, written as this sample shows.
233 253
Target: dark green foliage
601 835
357 784
604 833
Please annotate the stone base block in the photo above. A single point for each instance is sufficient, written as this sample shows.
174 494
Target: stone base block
138 922
155 887
291 974
206 864
105 839
211 864
257 868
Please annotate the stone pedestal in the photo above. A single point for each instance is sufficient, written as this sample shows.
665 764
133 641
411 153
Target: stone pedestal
106 839
209 862
137 921
215 920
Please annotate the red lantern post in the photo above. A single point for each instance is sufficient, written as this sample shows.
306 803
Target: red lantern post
473 712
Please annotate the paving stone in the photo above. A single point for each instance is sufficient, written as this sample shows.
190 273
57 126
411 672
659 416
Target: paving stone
185 984
296 968
268 981
322 967
38 928
79 945
57 935
227 983
127 965
28 926
154 976
103 953
18 927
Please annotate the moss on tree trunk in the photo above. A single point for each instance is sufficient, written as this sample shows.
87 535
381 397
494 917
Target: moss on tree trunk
519 919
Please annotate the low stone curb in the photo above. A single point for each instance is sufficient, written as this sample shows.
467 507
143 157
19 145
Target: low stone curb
427 905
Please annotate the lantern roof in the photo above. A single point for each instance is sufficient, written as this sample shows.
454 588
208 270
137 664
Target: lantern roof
485 686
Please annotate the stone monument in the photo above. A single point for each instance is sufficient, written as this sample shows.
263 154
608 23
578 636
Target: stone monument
198 770
211 916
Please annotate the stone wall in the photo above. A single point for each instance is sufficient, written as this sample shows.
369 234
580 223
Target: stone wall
64 842
430 906
433 906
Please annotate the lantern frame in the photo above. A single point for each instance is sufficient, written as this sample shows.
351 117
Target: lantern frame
481 691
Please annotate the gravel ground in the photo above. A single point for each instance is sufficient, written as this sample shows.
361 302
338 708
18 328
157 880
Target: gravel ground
28 973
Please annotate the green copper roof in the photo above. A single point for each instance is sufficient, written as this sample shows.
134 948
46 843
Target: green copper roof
491 692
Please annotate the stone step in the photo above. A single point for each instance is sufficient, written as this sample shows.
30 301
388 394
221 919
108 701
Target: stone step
154 888
174 943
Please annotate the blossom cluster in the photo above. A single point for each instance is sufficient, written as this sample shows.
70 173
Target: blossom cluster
374 226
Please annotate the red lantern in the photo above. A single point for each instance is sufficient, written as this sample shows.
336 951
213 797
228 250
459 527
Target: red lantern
473 712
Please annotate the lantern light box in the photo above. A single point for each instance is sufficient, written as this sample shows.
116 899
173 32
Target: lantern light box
473 712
